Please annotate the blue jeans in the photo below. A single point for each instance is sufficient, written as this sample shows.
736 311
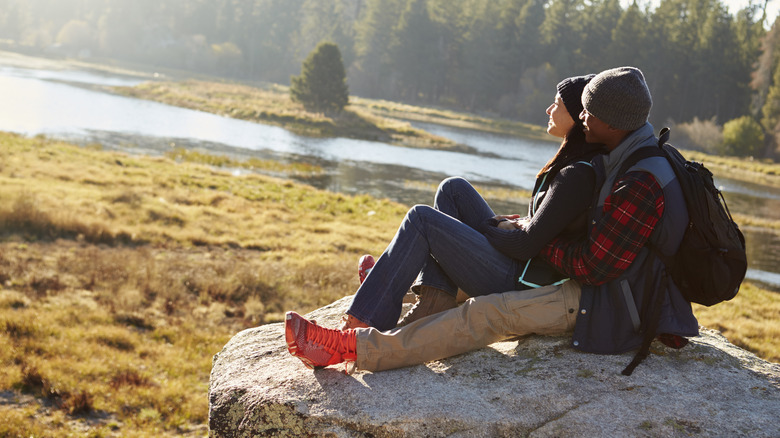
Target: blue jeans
439 247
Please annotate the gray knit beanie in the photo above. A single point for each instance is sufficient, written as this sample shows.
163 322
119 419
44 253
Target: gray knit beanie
619 97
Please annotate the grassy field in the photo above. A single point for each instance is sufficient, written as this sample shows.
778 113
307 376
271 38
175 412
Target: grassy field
121 277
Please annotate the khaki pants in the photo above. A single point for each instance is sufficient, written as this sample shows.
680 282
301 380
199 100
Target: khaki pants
478 322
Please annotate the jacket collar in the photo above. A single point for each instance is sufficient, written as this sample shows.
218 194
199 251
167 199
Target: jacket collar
643 136
612 161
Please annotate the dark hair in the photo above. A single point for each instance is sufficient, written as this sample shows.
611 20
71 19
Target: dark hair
573 147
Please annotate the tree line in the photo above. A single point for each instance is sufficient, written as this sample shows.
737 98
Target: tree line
501 57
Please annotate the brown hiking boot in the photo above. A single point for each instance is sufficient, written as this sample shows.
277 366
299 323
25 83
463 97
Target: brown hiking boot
350 322
430 300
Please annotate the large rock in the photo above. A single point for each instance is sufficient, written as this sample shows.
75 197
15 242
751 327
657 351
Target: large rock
537 386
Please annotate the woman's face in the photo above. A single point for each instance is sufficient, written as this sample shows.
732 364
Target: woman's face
560 122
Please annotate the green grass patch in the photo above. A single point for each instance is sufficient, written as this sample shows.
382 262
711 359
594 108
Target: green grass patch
518 196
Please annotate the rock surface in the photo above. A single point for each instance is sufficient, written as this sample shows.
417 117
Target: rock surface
536 386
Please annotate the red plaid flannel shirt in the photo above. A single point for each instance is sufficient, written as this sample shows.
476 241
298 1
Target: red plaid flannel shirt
631 211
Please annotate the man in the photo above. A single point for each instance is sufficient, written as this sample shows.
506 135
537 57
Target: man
637 209
624 287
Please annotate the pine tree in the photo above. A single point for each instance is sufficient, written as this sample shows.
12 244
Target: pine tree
322 84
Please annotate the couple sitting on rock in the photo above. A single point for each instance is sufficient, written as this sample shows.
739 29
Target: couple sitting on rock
577 262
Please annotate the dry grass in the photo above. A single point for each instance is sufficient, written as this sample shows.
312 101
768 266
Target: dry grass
699 135
757 223
121 277
749 320
73 354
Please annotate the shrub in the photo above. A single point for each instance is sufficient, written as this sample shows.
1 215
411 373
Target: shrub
742 137
699 135
322 84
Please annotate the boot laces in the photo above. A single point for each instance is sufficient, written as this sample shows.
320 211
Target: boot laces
329 339
339 343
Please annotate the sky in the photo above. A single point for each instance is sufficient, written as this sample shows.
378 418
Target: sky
772 9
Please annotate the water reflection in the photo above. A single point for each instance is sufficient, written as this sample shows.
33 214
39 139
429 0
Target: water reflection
532 153
763 249
70 76
748 188
751 199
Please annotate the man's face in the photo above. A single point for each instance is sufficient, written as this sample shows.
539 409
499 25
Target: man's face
596 131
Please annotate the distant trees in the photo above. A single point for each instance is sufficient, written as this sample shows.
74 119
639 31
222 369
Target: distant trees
415 53
372 69
322 84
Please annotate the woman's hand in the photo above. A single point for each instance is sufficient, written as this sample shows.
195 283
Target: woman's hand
510 222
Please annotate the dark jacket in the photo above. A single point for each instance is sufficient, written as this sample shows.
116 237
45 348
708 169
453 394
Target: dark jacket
610 315
539 271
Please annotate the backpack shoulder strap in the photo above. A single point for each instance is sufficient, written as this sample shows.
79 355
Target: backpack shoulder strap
653 298
639 155
646 152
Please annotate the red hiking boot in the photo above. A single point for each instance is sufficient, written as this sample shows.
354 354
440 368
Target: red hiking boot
364 266
318 346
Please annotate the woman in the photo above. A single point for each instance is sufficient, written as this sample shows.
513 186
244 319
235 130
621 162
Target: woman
461 243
